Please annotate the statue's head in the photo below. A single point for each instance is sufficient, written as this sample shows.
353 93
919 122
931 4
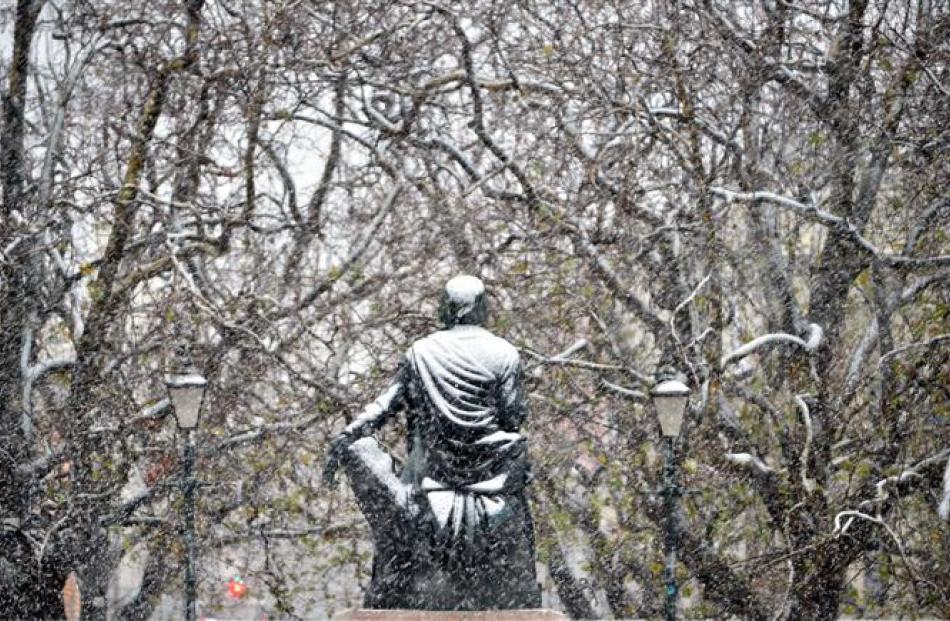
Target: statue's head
463 302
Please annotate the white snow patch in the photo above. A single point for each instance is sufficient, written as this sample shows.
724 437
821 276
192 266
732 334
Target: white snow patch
749 460
442 503
464 289
493 485
944 509
378 461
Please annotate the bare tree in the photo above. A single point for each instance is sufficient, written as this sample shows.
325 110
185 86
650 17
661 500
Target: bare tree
749 193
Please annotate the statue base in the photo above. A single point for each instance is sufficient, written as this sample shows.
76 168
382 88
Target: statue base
368 614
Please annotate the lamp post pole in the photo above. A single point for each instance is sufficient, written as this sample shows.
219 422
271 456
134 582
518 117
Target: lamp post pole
189 489
670 398
671 496
186 389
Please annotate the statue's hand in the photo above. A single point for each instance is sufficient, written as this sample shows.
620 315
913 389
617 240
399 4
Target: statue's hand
335 456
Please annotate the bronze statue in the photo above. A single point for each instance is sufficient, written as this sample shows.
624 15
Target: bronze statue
451 528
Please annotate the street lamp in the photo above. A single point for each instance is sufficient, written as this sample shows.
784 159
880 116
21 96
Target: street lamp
669 398
186 389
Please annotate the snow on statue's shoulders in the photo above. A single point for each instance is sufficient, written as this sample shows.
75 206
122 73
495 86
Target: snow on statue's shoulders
474 342
492 349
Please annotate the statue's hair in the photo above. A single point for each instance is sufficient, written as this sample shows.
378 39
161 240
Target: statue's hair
463 302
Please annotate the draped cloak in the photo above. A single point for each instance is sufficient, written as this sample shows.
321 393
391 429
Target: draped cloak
461 490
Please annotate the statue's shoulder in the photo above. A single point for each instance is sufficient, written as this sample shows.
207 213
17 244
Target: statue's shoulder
506 346
504 353
422 343
429 345
475 340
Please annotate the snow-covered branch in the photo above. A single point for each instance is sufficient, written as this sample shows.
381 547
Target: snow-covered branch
704 126
30 376
562 361
852 515
943 510
684 304
259 432
807 483
782 201
748 460
815 334
573 349
40 369
864 348
921 344
916 471
31 373
858 358
155 410
634 395
830 220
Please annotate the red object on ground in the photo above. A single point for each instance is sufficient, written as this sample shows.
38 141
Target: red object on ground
236 588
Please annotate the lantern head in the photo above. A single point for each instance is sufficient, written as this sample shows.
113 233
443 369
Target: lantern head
186 390
669 399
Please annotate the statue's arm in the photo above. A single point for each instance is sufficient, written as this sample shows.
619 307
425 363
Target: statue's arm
373 416
384 407
514 407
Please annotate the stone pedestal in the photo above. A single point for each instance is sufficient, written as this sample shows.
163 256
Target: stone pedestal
366 614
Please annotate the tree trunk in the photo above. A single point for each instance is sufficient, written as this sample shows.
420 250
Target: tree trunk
11 148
